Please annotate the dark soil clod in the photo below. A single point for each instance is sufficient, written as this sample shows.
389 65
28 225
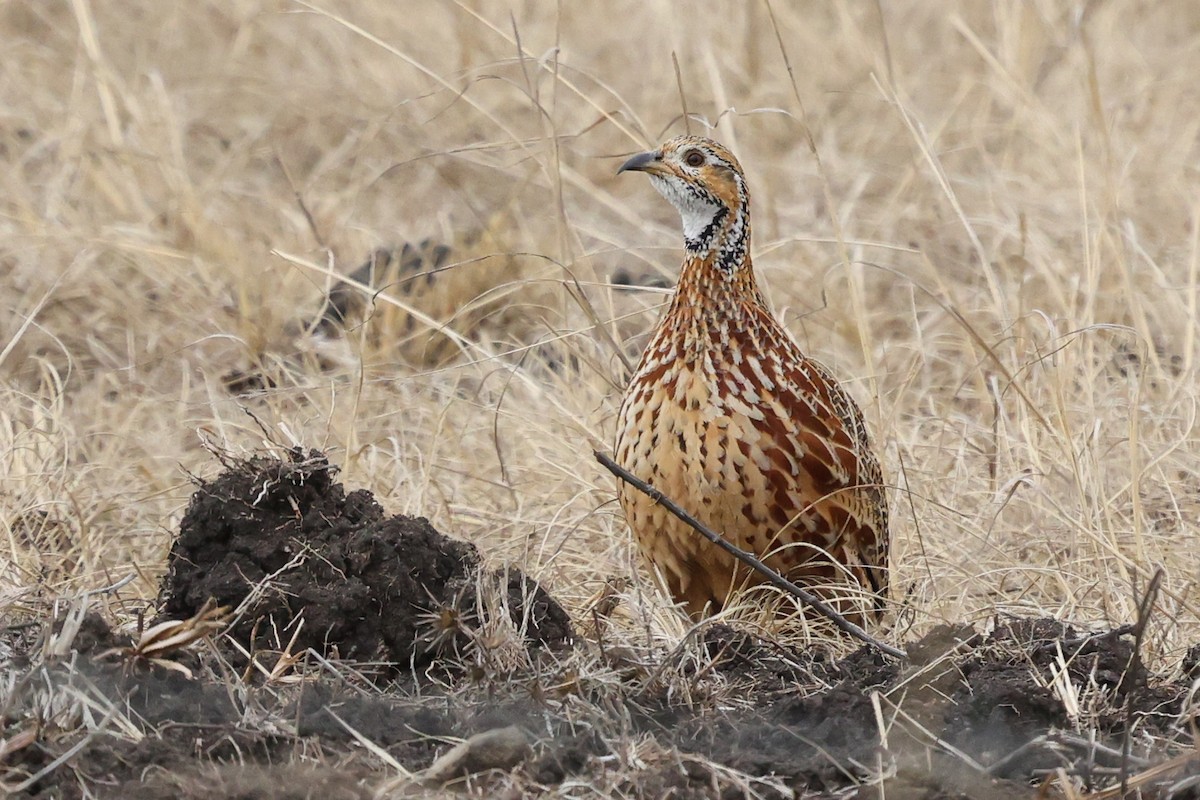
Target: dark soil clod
283 540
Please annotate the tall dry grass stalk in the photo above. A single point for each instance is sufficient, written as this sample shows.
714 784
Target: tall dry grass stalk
997 248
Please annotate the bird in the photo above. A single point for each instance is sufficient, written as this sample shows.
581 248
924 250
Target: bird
725 415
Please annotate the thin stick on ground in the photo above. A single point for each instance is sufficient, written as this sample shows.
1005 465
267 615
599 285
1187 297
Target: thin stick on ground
773 577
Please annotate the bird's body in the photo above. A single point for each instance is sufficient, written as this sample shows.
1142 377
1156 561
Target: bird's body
726 416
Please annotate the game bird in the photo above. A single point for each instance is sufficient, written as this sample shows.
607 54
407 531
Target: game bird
726 416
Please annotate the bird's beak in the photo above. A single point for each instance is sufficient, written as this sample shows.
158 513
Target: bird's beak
644 162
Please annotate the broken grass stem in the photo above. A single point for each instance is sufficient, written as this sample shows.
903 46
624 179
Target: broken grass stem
773 577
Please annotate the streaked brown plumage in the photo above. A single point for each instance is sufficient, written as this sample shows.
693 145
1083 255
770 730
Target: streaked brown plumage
728 417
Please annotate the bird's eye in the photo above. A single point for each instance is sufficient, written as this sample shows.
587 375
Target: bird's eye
694 158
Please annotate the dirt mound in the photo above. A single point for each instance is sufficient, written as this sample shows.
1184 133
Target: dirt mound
283 543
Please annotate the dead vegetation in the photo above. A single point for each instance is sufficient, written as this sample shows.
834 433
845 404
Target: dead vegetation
993 234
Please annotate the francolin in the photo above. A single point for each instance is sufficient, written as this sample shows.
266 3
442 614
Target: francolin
726 416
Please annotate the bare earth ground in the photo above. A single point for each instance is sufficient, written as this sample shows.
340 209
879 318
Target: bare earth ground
982 216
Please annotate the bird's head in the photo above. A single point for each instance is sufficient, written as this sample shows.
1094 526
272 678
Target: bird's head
704 182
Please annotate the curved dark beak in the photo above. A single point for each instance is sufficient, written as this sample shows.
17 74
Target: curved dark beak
643 162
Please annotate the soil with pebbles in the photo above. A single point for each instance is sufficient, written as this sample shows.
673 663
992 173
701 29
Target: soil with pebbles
396 620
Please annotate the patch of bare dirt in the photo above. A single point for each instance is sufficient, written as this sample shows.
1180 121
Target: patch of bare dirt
393 612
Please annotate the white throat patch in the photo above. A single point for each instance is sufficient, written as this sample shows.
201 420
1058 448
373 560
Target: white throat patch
695 213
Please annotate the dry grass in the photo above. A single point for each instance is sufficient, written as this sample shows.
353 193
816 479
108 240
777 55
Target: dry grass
1007 275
